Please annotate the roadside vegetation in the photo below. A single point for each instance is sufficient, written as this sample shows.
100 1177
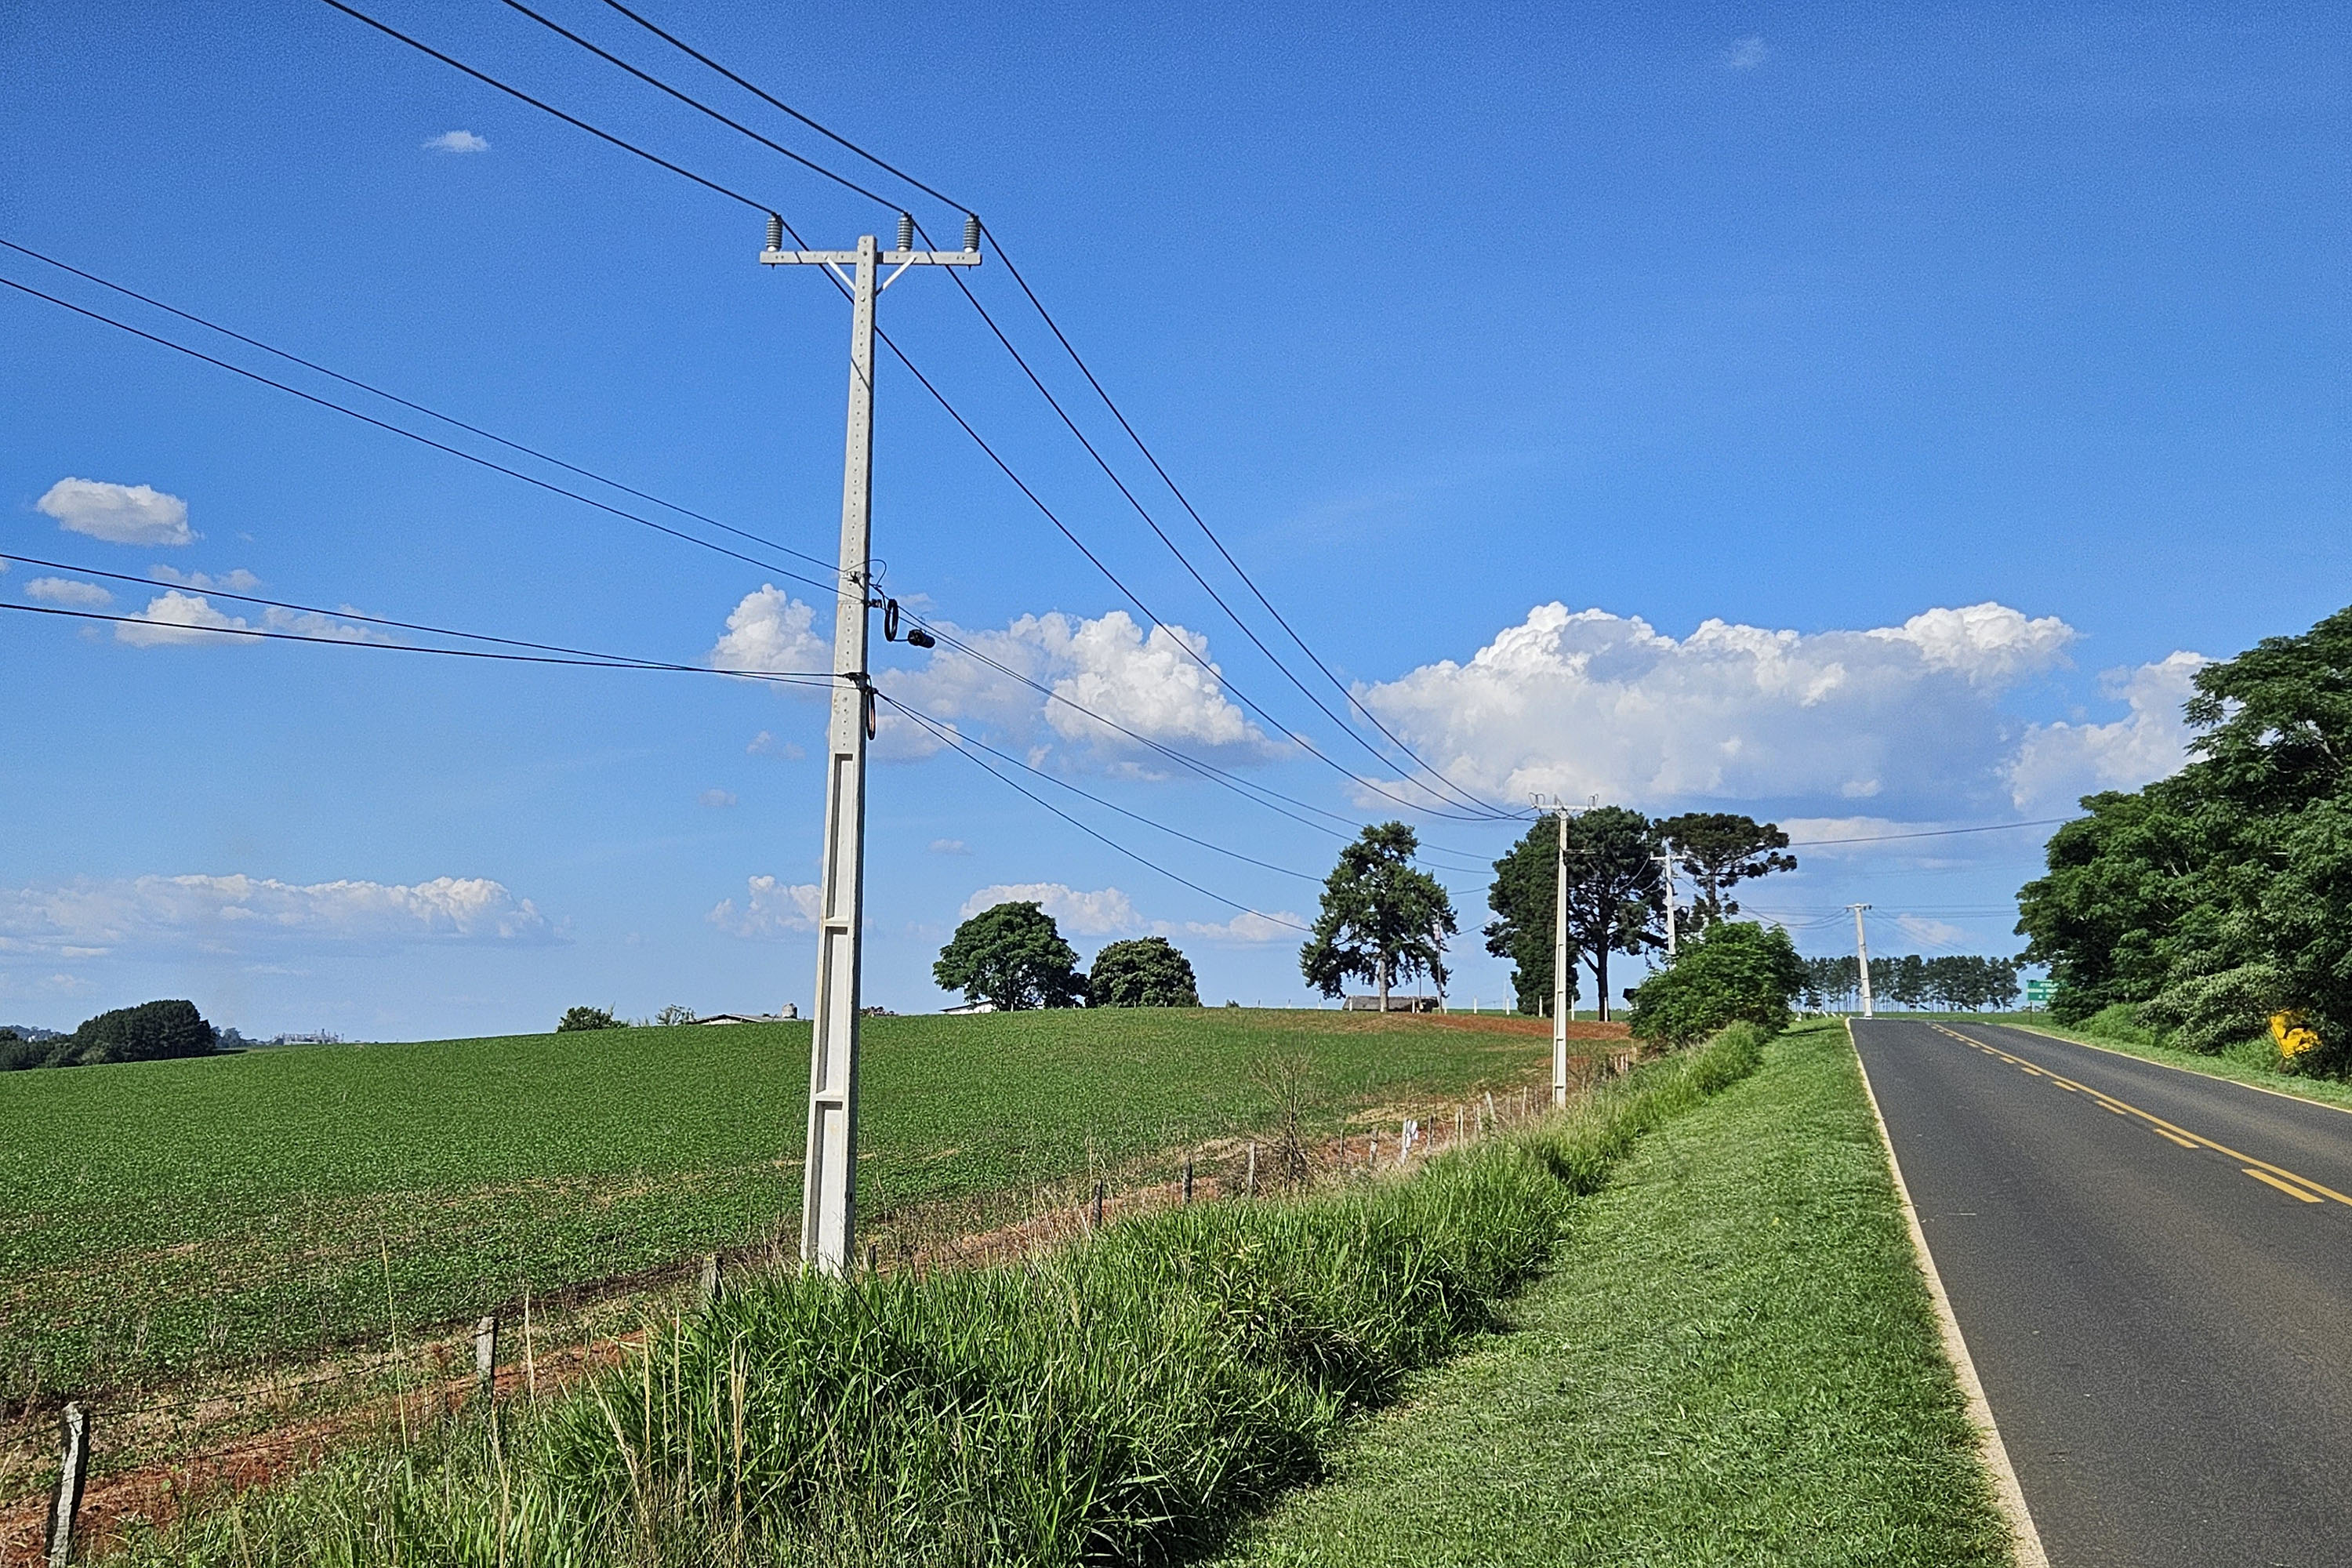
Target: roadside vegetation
1131 1398
2256 1061
1733 1361
2215 907
160 1221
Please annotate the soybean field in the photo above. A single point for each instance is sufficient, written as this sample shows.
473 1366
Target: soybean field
160 1221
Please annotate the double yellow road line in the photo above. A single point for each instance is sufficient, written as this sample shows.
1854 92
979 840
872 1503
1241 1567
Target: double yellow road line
2302 1188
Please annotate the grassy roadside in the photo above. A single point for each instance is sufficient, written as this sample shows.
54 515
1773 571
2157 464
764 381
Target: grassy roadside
2251 1067
1130 1398
1734 1361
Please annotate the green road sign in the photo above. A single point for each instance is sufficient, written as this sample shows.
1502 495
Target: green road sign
2039 992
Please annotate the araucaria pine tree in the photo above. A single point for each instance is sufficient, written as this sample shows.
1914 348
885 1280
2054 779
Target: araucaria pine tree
1383 919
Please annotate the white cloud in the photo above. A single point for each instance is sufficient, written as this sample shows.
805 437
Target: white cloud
1587 702
771 909
118 514
1147 683
1247 927
1745 54
458 141
717 797
1928 930
68 591
174 619
772 632
149 911
2057 763
1103 913
764 745
239 581
949 847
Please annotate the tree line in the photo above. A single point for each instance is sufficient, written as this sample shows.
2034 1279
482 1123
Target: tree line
1960 982
2210 903
152 1031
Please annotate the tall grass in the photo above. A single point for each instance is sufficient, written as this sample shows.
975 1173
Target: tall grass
1123 1400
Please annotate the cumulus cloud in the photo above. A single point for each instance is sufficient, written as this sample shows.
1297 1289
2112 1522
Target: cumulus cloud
2057 763
239 581
174 619
769 909
1930 930
772 632
118 514
1586 702
163 911
69 591
1106 912
717 797
458 141
1147 683
949 847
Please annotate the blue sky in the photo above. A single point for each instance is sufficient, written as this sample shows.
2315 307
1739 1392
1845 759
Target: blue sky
1839 415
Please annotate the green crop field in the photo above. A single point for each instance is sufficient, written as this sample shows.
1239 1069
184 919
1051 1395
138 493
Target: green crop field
161 1220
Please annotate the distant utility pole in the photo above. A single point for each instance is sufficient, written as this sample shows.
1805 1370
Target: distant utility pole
1559 956
1665 860
828 1186
1862 955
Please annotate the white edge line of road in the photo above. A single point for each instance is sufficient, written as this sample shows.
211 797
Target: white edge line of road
2175 1066
2024 1540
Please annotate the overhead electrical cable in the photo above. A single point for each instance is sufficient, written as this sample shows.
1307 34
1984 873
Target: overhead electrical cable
1930 833
418 407
211 591
1448 787
590 661
903 359
422 440
950 738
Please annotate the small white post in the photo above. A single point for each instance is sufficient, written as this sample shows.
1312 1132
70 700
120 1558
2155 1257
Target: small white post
1249 1183
1862 955
485 1356
73 1469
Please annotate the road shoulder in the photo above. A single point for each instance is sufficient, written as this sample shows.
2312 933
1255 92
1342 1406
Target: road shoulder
1736 1361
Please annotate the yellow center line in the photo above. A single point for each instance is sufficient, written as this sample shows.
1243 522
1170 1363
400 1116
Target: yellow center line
2184 1142
2283 1186
2279 1174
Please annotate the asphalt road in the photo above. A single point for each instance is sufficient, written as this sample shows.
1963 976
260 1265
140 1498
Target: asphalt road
2153 1272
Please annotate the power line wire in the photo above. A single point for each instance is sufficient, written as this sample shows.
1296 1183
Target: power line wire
591 662
950 738
1930 833
417 407
825 677
421 440
1465 797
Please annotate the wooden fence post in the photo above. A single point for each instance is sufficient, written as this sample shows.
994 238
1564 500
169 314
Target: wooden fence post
708 1289
73 1469
873 1257
1098 1205
485 1356
1188 1181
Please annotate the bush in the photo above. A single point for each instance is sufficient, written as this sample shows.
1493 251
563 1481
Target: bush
1146 973
577 1018
2209 1013
2119 1021
1735 972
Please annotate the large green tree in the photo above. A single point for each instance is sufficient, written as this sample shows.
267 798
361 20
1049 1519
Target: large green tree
152 1031
1719 848
1384 918
1148 972
2223 893
1615 900
1012 955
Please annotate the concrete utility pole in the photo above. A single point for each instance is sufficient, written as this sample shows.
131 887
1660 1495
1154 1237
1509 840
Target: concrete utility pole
828 1186
1862 955
1665 860
1560 957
